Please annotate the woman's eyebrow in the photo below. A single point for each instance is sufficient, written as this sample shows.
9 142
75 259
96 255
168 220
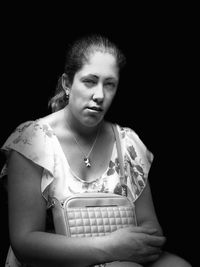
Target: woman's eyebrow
90 76
111 78
94 76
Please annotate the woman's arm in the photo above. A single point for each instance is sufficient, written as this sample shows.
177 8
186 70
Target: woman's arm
27 215
145 211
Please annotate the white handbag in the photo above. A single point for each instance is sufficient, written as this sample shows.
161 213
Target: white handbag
92 214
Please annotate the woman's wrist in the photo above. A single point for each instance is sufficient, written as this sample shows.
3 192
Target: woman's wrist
105 249
109 245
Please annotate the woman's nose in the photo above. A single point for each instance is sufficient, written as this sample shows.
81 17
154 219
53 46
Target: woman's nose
98 95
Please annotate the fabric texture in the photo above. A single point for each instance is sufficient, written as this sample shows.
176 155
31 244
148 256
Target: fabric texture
36 141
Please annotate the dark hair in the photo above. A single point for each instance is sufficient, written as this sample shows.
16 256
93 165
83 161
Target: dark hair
77 56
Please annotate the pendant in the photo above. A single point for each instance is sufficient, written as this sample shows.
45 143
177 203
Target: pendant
87 162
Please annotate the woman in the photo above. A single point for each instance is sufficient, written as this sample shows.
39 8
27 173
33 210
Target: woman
73 150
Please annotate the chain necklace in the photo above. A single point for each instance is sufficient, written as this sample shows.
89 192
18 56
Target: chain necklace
86 158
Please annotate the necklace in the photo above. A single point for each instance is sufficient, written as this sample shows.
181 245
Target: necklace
86 158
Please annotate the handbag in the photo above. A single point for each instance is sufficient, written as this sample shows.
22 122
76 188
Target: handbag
94 214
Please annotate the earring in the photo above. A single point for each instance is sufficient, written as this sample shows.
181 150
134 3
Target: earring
67 93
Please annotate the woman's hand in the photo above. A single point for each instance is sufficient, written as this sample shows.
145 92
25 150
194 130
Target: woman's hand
136 244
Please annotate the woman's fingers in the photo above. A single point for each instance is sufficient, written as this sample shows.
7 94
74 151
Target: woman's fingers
141 229
150 237
154 240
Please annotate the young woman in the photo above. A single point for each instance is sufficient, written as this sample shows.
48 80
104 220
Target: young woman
73 150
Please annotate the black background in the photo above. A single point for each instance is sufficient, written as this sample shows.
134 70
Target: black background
155 98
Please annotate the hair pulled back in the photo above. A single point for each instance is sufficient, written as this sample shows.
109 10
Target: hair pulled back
78 55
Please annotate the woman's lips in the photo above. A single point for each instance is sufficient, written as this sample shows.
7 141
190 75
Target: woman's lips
95 109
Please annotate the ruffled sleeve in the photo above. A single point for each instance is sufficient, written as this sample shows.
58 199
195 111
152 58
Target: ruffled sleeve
33 140
137 160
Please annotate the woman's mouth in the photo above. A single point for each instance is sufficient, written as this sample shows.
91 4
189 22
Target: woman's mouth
95 109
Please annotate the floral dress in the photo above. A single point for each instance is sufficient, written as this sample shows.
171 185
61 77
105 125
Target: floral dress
37 141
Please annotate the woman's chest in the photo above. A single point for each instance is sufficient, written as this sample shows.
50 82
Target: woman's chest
88 164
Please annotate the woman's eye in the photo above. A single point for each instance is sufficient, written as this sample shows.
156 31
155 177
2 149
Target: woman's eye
89 82
110 85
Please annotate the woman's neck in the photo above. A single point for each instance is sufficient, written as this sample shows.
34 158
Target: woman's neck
78 128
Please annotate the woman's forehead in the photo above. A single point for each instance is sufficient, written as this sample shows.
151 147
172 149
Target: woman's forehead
100 63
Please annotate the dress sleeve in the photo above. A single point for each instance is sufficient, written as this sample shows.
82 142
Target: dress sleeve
33 140
138 160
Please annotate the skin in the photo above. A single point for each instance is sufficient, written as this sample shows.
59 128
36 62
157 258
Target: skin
94 85
27 207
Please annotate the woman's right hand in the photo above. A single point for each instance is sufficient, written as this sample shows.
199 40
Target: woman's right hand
136 244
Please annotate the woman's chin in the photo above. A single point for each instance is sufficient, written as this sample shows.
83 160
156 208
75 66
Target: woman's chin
92 122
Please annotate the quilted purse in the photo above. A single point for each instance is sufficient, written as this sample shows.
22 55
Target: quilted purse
94 214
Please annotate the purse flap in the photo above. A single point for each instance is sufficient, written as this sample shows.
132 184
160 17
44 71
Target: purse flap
96 200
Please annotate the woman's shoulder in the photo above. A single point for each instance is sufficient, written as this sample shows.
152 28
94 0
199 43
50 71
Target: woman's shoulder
43 125
34 140
127 132
31 133
132 142
32 128
53 121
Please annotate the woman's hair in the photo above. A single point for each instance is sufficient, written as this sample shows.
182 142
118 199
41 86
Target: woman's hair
78 55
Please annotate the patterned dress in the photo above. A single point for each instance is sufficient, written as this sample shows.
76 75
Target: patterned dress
37 141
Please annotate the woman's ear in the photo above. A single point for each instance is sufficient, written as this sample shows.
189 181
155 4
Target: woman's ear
65 83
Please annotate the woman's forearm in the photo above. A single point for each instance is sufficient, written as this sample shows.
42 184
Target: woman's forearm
45 249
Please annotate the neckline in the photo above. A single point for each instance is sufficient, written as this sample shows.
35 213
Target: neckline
66 160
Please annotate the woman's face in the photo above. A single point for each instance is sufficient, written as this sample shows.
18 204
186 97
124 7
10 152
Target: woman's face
94 88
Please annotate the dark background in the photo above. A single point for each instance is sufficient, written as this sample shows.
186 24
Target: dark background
155 98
